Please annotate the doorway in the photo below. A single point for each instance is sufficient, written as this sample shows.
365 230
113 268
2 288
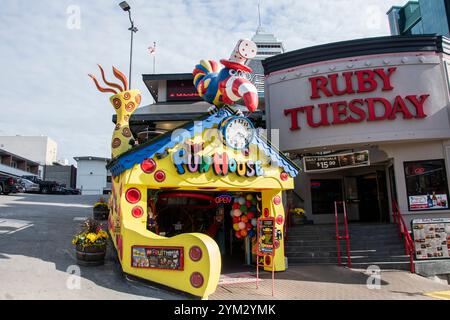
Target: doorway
373 197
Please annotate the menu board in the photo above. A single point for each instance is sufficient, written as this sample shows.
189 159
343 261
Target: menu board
334 162
266 236
166 258
431 238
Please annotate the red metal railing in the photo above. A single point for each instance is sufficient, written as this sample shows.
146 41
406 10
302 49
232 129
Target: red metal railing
403 232
345 237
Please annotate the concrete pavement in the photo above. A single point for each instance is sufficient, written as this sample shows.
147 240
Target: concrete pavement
37 259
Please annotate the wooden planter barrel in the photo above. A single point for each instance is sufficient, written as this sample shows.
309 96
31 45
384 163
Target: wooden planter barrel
91 255
101 213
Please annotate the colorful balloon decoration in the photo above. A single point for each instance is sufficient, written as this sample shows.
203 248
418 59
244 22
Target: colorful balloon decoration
244 214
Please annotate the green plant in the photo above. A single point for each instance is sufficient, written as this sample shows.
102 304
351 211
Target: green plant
91 234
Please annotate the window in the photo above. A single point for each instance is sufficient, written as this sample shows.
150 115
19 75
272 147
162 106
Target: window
323 195
426 185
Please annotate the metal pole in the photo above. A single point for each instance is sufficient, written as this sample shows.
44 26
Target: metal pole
133 29
131 59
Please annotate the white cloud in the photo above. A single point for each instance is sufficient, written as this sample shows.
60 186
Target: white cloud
44 83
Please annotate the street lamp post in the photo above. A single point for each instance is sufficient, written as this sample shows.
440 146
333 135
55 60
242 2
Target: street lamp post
126 7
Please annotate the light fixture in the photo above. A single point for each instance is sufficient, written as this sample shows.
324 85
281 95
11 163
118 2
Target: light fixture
125 6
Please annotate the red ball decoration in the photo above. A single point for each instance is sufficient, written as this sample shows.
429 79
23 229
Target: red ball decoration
236 219
236 205
277 200
250 215
195 253
137 212
248 203
238 234
284 176
280 219
249 226
266 212
148 165
197 279
160 176
276 244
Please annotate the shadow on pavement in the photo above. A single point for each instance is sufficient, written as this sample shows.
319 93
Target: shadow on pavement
50 226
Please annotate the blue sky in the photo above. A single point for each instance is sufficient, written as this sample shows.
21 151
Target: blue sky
44 85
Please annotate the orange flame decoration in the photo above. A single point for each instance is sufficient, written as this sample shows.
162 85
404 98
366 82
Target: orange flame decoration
119 75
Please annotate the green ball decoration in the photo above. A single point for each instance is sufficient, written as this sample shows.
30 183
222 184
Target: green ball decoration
243 208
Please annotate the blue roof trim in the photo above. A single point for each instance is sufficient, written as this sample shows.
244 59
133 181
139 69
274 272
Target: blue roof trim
164 142
276 157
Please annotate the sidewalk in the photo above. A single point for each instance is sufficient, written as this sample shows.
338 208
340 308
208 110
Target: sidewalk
327 282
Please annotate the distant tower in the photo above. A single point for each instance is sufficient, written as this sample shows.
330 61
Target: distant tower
268 46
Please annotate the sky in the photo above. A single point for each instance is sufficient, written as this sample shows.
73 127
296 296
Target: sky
48 47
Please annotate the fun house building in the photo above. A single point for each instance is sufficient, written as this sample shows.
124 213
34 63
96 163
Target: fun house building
370 121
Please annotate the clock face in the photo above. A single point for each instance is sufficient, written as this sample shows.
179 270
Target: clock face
238 132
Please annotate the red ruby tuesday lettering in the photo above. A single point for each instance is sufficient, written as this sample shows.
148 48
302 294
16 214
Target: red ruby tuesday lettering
356 110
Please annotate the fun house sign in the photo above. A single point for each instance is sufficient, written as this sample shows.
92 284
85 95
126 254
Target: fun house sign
346 108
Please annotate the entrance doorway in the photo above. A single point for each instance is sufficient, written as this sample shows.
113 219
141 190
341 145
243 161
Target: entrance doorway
366 197
373 197
227 217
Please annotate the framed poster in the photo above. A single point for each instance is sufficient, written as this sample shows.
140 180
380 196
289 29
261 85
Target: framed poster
266 236
165 258
431 238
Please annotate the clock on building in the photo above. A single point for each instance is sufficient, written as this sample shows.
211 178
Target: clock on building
237 132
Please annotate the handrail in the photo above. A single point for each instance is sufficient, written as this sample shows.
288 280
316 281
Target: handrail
346 235
403 232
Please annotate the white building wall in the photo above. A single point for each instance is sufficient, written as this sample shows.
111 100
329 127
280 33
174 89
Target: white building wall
91 176
39 149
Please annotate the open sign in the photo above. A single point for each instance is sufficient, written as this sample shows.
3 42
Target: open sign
223 199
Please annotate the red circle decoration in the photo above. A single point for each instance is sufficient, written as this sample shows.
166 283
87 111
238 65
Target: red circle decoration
276 244
137 212
196 279
133 195
148 165
267 260
266 212
284 176
195 253
280 219
160 176
277 200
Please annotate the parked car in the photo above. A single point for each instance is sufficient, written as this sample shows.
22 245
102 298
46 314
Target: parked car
7 185
45 186
29 186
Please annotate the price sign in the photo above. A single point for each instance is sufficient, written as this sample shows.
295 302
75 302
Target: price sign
336 162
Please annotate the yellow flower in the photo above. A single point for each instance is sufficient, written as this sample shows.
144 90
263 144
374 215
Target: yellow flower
92 237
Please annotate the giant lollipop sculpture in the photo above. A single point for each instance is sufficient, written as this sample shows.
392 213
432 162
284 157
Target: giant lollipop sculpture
230 84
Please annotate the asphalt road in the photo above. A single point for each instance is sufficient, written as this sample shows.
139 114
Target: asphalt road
37 259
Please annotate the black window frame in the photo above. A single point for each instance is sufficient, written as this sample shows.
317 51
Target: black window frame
405 163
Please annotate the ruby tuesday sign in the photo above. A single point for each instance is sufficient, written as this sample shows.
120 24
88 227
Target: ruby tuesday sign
344 110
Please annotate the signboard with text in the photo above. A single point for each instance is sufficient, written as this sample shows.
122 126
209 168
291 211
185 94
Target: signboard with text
166 258
336 162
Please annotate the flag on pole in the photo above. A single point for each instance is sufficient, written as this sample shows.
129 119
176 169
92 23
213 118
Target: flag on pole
152 49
